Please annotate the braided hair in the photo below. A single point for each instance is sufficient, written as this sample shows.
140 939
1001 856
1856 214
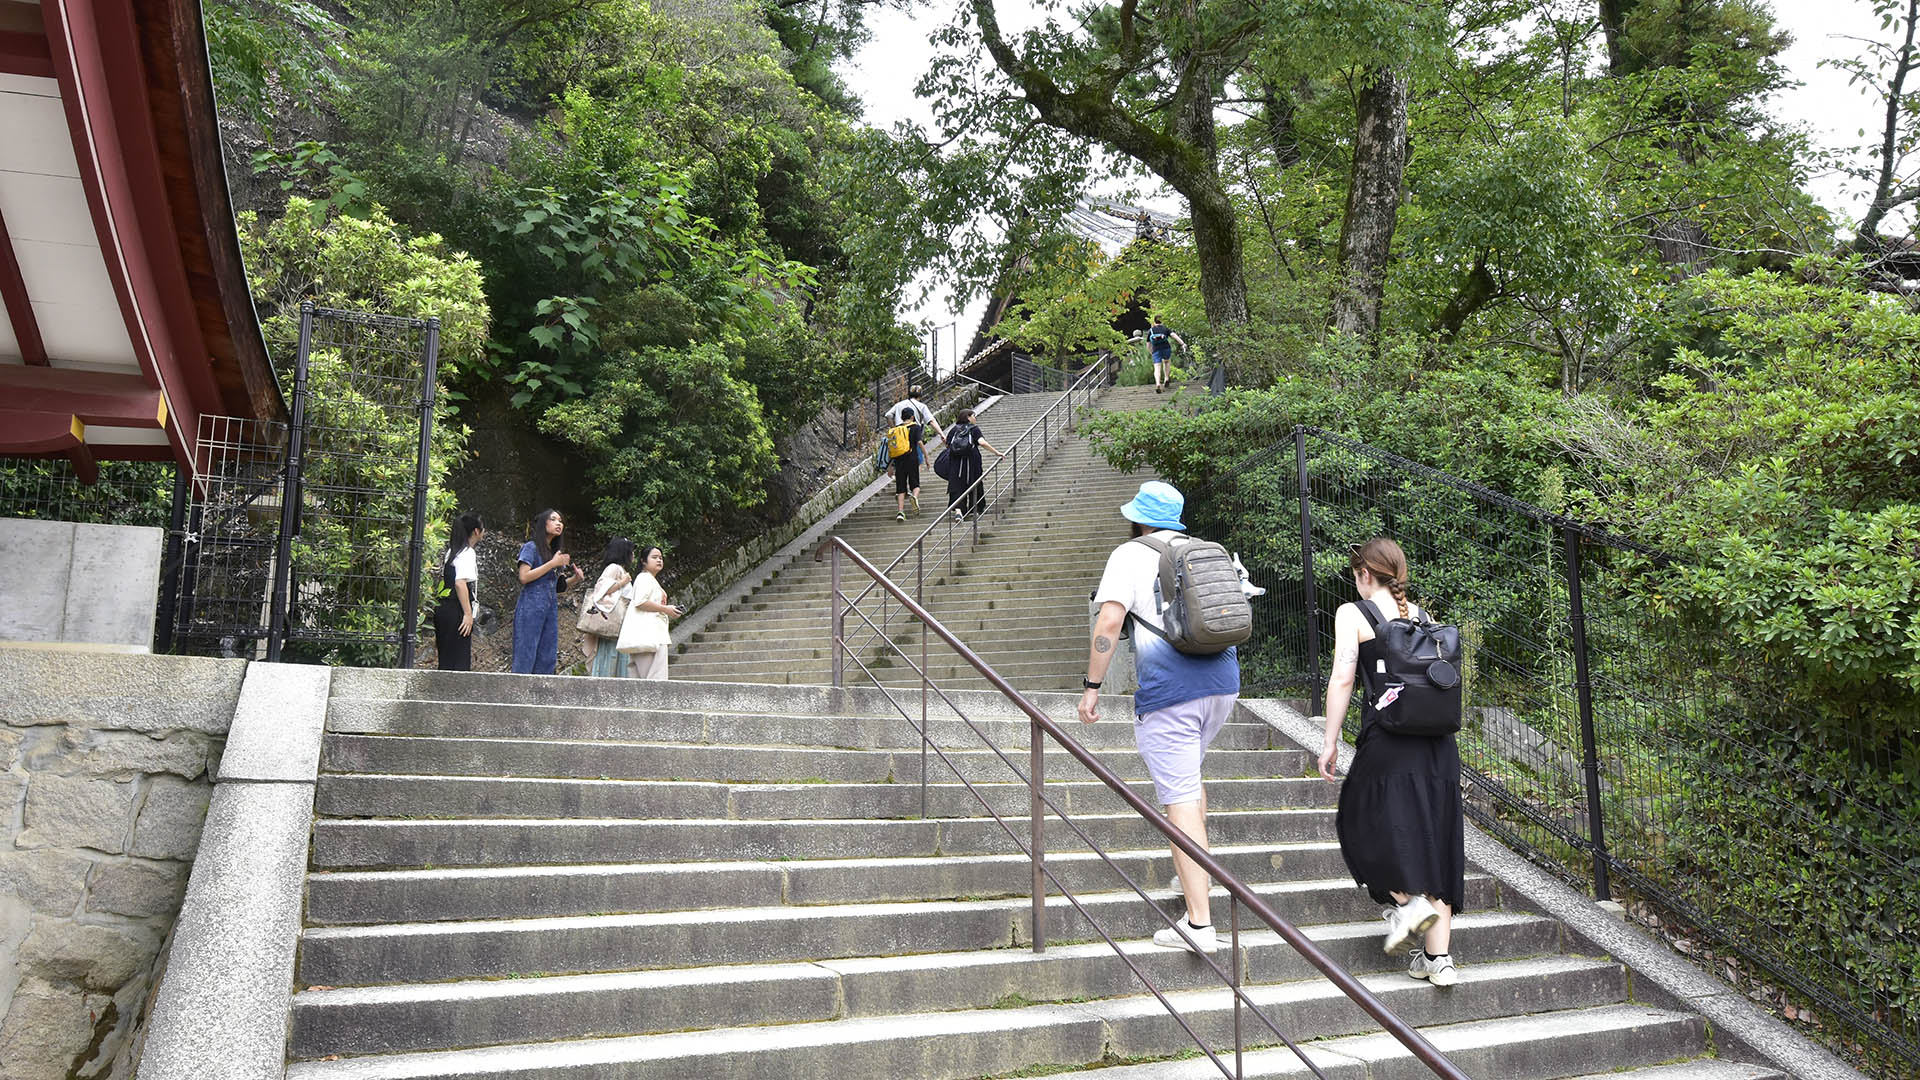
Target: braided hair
1383 559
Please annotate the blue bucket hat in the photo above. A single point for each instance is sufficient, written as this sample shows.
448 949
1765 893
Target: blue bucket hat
1157 506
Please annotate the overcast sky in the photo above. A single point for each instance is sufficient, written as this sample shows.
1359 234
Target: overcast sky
884 72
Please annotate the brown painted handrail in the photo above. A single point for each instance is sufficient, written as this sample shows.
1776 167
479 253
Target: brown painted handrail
1389 1021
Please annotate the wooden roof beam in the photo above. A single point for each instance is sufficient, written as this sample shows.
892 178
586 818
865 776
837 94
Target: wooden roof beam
23 41
13 296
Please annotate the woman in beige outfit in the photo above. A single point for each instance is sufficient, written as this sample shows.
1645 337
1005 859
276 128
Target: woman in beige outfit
644 637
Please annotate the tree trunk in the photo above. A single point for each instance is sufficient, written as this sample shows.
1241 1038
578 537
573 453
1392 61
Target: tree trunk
1373 201
1613 20
1473 294
1216 225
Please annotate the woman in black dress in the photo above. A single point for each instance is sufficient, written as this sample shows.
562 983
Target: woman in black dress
453 616
964 443
1400 824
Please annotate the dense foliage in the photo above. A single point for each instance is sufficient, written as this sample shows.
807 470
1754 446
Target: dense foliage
666 206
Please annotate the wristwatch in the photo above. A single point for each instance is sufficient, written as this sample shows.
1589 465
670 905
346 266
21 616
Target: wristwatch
1089 683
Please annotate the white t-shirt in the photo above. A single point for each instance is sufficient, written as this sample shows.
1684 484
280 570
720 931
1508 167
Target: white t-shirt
920 411
1167 676
466 567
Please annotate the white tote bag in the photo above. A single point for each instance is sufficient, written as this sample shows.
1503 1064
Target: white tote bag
644 631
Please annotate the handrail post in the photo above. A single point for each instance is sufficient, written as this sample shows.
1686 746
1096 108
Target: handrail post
1583 689
920 596
1306 568
1239 1043
1016 468
835 603
1036 810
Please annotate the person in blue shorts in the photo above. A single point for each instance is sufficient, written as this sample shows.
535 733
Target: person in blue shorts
1182 703
1161 339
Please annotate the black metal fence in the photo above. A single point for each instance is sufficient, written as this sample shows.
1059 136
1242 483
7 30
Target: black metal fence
1608 739
347 573
301 541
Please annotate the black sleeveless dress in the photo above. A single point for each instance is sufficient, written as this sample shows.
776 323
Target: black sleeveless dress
455 649
1400 822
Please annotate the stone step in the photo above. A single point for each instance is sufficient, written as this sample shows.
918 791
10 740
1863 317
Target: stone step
1545 1046
364 897
941 663
438 1016
587 760
389 692
351 795
969 626
465 719
388 842
498 948
991 1042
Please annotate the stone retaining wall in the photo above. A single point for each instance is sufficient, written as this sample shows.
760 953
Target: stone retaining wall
105 773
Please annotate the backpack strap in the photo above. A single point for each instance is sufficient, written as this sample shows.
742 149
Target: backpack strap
1164 547
1373 613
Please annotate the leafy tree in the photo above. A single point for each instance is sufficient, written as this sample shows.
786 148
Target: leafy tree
352 577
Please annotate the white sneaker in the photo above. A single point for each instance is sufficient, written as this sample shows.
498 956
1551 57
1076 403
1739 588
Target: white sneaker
1439 971
901 516
1408 921
1203 939
915 500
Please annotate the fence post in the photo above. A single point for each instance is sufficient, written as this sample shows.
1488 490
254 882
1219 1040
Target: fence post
416 546
290 490
173 564
838 617
1306 568
1583 689
920 597
1037 839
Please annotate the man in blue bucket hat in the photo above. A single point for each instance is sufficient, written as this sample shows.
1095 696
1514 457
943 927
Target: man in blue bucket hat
1183 700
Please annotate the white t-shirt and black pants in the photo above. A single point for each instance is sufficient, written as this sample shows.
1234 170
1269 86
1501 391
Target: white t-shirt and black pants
455 648
1183 701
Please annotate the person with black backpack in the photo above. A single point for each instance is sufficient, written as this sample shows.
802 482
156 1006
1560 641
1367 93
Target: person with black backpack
964 464
1400 823
1182 599
1160 341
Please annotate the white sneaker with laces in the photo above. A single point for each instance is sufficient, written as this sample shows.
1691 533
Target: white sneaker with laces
1408 921
1439 971
1203 938
901 516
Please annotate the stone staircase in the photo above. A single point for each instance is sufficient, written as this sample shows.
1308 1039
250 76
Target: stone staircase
1019 598
536 878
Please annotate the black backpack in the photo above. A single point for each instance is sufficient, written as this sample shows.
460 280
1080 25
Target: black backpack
960 437
1419 692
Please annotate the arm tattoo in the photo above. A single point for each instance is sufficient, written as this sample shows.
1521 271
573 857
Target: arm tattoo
1102 644
1346 658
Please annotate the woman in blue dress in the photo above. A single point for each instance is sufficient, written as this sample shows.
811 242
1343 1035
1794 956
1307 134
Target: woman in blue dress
545 571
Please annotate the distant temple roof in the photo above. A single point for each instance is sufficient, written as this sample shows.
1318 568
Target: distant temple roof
126 313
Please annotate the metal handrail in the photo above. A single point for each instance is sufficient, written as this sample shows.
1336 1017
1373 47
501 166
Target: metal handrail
1238 892
1044 423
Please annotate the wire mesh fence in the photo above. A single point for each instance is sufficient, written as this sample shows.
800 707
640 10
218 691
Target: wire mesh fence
126 493
348 588
1608 739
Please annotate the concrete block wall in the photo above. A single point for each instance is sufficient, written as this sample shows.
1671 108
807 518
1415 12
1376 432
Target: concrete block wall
106 763
67 583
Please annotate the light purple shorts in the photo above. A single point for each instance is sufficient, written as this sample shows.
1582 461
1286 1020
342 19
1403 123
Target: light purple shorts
1172 741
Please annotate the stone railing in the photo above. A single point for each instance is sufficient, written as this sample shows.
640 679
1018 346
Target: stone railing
105 775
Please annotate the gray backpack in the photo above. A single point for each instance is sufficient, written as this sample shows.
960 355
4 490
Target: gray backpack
1206 611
